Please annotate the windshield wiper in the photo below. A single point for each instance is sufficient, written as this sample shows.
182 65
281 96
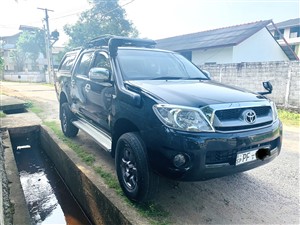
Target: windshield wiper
166 78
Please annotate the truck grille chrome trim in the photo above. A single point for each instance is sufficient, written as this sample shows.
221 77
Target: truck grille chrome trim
237 117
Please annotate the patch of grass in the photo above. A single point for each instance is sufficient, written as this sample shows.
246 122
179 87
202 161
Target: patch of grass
153 212
109 179
2 114
87 158
34 108
289 118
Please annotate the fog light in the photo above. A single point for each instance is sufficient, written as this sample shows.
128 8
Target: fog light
179 160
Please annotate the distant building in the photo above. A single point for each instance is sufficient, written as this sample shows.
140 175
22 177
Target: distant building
250 42
290 30
8 47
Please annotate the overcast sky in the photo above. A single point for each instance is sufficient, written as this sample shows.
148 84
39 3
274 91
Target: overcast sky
154 19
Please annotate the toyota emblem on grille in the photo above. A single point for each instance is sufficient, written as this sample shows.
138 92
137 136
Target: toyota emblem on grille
249 116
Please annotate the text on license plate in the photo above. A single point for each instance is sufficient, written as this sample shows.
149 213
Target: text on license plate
245 157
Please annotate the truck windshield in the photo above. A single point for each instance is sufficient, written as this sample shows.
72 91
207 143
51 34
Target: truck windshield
139 64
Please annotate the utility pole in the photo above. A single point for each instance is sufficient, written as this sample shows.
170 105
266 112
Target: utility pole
48 45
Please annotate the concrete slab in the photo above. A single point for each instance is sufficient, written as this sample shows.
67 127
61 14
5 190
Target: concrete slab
20 120
8 103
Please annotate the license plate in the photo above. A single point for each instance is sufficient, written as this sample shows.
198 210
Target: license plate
245 157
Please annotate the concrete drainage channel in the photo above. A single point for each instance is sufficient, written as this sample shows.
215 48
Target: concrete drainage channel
48 198
50 185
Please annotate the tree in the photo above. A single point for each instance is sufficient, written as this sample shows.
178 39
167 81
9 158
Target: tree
31 44
1 67
105 17
1 63
19 58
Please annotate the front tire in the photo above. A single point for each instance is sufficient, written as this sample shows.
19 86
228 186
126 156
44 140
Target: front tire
136 179
66 118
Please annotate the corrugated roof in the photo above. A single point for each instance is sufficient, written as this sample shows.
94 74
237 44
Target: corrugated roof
228 36
285 24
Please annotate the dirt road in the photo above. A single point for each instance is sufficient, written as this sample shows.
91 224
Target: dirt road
265 195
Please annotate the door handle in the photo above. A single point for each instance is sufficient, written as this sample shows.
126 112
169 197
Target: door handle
87 87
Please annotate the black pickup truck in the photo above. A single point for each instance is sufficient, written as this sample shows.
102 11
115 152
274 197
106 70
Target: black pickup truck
159 115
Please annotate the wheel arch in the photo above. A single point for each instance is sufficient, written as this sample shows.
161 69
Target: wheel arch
121 127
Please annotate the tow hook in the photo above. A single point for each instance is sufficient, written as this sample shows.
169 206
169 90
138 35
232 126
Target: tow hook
263 153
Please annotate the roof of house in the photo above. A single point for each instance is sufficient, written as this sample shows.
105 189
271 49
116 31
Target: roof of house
285 24
9 41
228 36
11 38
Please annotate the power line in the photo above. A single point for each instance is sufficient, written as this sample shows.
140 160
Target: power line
75 13
120 6
66 15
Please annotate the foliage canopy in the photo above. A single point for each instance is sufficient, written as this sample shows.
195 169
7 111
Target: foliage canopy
1 63
29 45
105 17
32 43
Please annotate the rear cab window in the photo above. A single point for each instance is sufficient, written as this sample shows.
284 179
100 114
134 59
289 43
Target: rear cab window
68 62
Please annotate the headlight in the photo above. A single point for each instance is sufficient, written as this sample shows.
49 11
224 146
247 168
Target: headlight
274 111
182 118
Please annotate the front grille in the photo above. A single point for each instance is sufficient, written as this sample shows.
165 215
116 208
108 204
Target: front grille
234 117
234 114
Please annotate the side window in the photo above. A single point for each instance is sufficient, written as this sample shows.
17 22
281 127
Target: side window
101 61
84 64
68 62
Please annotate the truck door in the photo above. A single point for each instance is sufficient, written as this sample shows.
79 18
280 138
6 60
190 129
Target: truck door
99 93
79 82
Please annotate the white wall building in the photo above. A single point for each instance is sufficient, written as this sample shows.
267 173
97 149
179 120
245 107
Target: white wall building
250 42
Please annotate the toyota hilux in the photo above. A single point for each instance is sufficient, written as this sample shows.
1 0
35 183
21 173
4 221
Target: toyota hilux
159 115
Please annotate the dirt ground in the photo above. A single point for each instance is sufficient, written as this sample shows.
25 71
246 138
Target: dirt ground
265 195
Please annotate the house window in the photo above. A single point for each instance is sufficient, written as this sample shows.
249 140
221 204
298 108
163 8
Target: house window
187 54
295 32
278 34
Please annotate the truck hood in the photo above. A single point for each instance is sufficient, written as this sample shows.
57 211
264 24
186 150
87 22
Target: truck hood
193 93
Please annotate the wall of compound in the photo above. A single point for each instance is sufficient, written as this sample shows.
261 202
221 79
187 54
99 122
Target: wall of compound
284 76
34 77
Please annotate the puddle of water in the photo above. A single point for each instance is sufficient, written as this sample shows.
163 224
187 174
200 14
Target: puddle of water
48 198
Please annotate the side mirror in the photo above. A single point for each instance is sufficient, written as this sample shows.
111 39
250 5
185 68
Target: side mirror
268 86
99 74
206 73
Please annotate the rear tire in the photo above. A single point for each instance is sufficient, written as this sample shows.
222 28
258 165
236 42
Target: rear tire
66 118
136 179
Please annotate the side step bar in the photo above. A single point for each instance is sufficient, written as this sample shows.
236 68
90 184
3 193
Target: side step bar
99 136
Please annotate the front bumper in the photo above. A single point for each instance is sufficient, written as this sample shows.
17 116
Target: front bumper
209 155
